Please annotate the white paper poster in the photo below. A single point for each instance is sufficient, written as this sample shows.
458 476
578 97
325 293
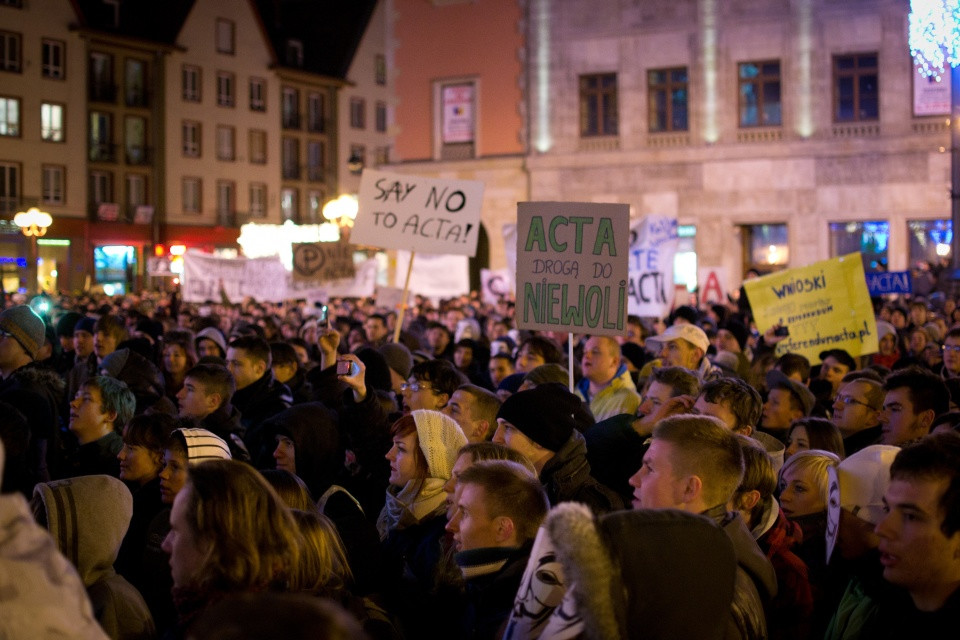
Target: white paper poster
653 243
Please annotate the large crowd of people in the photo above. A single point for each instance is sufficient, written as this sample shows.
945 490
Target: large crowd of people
262 470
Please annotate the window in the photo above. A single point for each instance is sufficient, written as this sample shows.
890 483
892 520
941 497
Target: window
101 78
316 152
381 117
291 108
258 94
226 204
258 200
136 192
52 59
51 122
380 69
667 99
226 85
294 53
930 240
54 181
135 140
101 137
766 247
226 143
225 35
101 187
9 187
190 83
192 189
289 199
291 159
315 112
760 94
358 113
258 146
856 93
135 83
870 238
10 51
358 158
315 207
383 156
598 105
9 117
191 139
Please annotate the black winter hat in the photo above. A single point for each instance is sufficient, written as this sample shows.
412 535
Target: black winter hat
66 323
544 414
739 331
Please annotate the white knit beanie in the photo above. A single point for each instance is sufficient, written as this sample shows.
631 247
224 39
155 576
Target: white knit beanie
440 440
204 445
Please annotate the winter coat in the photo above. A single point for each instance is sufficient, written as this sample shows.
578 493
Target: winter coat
489 596
793 605
41 595
88 517
225 424
38 394
566 478
256 402
144 379
94 458
615 452
620 396
130 559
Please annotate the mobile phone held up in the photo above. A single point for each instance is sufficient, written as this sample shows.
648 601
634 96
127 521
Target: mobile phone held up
322 318
346 367
781 332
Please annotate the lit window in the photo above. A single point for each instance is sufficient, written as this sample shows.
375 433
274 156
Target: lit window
51 122
192 189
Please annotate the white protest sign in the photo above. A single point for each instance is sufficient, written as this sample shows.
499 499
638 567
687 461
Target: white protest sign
495 284
389 298
712 285
419 214
435 276
263 279
653 243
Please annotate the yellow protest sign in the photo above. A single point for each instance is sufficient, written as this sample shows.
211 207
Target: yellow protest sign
824 306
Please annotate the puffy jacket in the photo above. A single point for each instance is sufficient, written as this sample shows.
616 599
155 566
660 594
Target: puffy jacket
566 478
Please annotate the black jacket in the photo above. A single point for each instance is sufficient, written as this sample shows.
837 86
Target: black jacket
566 477
256 402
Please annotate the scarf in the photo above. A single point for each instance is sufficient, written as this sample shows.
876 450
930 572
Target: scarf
408 505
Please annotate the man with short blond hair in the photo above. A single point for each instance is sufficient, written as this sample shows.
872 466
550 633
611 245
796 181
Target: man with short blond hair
606 385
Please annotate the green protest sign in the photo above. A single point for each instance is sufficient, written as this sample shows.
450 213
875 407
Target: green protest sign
572 266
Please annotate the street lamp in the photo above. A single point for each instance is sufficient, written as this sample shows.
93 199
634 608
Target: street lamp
33 223
935 45
342 211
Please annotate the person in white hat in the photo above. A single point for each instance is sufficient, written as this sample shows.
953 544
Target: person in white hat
685 345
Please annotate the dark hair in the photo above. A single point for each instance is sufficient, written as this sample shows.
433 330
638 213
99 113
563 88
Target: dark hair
282 353
950 419
543 347
544 373
112 326
215 378
256 348
758 475
927 390
441 374
184 340
935 457
150 430
821 433
291 489
680 380
791 363
741 399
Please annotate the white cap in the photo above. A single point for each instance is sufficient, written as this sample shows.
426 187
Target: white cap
689 332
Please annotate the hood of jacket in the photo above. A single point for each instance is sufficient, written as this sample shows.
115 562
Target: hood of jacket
142 376
87 517
316 439
749 556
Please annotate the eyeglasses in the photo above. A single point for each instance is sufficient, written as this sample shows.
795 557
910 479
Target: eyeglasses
848 400
414 386
951 347
5 334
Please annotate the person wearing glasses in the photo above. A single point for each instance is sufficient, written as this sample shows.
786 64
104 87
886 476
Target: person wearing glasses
951 355
430 386
856 412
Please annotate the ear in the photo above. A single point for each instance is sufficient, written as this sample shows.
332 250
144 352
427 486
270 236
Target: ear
925 419
481 429
443 399
692 489
110 416
749 500
213 400
745 430
505 529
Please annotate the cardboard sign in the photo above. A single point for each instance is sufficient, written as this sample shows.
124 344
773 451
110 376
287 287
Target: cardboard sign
322 261
495 284
427 215
712 285
653 244
434 276
883 282
824 306
572 266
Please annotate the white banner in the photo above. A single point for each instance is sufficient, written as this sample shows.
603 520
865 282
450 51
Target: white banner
434 276
931 98
419 214
495 284
653 243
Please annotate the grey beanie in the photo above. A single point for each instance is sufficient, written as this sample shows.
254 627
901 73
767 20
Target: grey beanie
25 326
398 358
114 363
212 333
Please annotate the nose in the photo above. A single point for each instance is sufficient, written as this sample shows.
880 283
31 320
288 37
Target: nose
454 525
636 479
498 435
450 485
391 455
276 453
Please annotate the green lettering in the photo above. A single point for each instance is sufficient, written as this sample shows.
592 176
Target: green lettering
552 301
594 305
557 246
531 302
605 237
536 235
571 314
579 221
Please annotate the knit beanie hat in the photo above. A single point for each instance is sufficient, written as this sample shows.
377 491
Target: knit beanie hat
398 358
739 331
544 414
86 323
66 323
114 363
212 333
204 445
859 483
440 440
25 326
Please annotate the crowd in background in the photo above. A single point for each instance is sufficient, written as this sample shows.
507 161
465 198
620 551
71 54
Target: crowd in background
256 469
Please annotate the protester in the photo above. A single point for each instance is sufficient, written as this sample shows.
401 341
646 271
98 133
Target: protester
475 410
606 385
914 397
813 433
98 414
